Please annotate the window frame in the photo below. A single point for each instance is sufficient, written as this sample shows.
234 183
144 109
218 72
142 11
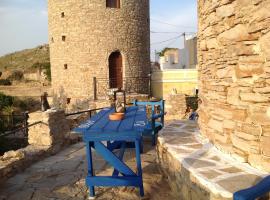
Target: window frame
113 3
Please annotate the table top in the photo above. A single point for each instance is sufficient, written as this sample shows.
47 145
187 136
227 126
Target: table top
100 127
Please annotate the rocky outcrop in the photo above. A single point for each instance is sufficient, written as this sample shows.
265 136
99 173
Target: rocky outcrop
234 68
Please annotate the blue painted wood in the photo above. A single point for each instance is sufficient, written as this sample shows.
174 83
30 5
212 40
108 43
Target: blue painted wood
120 156
111 158
153 126
102 124
117 134
252 193
90 165
108 181
117 145
139 166
90 122
113 136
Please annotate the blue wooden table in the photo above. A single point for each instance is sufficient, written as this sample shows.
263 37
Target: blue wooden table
116 134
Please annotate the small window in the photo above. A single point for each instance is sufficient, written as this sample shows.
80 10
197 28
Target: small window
68 100
63 38
65 66
62 14
113 3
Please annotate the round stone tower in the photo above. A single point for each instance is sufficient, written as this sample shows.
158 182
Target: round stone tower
98 45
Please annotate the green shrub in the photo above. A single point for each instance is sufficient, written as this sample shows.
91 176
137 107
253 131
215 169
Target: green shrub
5 82
5 101
46 66
48 72
16 75
192 102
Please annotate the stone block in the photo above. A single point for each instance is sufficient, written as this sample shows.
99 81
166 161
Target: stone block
239 114
240 143
222 138
248 70
254 97
259 161
240 49
266 130
233 96
265 45
216 125
226 72
52 129
251 129
212 43
235 34
246 136
259 115
266 145
225 11
229 124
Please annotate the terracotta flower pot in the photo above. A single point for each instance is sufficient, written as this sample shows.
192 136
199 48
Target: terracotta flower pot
116 116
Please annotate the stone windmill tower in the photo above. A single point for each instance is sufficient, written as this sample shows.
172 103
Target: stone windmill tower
96 45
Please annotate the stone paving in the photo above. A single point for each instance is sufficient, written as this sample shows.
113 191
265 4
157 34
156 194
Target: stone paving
62 177
192 162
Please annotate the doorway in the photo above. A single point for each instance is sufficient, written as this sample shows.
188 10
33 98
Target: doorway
115 70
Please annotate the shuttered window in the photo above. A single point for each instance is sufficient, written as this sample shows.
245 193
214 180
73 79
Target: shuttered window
113 3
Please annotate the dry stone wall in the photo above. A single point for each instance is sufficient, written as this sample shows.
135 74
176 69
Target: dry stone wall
45 139
234 68
83 34
175 106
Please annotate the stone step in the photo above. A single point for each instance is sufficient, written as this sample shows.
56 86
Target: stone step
198 170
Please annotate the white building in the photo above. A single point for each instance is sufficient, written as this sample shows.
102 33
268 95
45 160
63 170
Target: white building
186 58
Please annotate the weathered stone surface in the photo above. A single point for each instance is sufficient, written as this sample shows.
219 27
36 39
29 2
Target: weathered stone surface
62 176
175 106
13 154
237 54
51 130
265 145
89 39
226 10
202 172
248 70
265 45
237 33
216 125
254 97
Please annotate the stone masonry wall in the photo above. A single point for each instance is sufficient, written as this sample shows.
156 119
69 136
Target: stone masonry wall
91 33
175 106
45 138
234 68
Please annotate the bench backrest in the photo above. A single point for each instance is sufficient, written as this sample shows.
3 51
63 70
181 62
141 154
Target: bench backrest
153 104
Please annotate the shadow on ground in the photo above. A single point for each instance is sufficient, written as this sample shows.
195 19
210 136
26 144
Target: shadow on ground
62 177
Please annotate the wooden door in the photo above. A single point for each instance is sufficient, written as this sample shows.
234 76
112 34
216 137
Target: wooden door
116 70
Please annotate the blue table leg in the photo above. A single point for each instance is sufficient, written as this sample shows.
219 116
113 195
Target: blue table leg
90 166
139 166
121 156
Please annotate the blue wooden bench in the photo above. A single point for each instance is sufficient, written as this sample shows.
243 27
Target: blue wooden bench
254 192
153 126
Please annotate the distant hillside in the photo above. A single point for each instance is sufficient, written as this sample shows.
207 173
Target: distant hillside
25 59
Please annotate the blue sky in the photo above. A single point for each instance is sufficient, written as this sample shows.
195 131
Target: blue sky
24 23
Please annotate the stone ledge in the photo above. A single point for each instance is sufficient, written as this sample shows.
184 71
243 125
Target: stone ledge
13 162
198 170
